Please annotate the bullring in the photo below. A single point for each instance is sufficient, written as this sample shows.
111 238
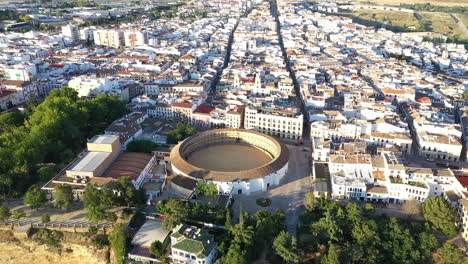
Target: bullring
236 160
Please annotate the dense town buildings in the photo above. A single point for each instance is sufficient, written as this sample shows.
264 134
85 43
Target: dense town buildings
383 112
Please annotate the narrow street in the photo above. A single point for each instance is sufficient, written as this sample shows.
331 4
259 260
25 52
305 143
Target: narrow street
292 74
212 91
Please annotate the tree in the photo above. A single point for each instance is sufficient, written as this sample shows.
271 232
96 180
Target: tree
235 255
181 132
449 254
310 201
63 197
427 243
286 247
369 208
364 248
157 249
228 223
332 256
4 213
45 173
399 244
11 120
92 199
145 146
53 132
440 213
208 189
118 241
26 19
411 207
45 218
127 193
242 235
35 197
176 212
18 214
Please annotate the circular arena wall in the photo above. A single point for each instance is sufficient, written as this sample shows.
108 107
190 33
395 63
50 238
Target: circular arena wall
271 167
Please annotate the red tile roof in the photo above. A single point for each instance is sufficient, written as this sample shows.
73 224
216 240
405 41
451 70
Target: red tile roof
204 109
183 104
463 180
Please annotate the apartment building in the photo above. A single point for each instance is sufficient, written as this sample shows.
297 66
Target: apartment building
112 38
282 123
71 33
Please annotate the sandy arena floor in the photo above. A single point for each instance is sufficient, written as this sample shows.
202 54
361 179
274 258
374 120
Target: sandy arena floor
229 158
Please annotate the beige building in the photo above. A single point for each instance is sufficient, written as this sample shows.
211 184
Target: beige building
281 123
234 117
112 38
102 151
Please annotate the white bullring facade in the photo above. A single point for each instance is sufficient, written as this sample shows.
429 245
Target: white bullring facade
242 181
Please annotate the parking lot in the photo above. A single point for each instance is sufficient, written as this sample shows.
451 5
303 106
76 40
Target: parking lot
289 195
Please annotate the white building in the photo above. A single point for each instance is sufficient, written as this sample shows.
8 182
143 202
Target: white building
192 245
135 38
282 123
88 86
71 33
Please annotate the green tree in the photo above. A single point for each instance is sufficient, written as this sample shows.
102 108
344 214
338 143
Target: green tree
145 146
63 197
208 189
228 223
181 132
364 248
118 241
11 120
157 249
26 19
59 13
35 197
92 199
450 254
128 194
18 214
399 244
4 213
286 247
332 256
177 211
45 218
440 213
45 173
427 244
310 201
54 131
235 255
242 234
369 208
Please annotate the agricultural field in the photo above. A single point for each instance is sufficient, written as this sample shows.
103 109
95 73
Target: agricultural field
398 2
464 18
394 18
442 23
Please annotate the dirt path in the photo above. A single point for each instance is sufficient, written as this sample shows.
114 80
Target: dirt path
460 24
